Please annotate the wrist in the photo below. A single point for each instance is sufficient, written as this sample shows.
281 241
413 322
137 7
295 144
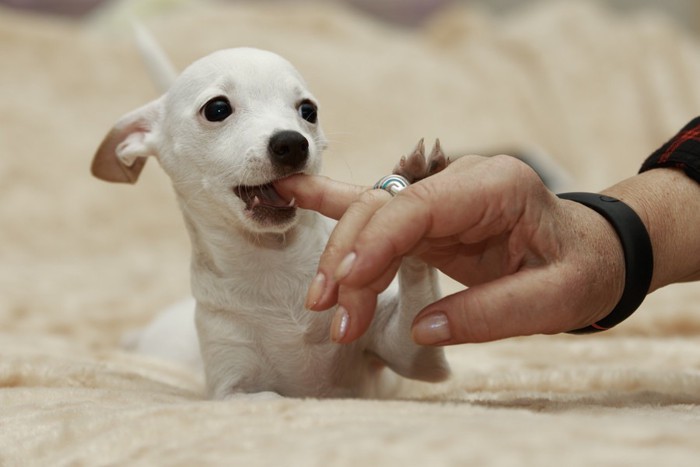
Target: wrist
668 203
637 253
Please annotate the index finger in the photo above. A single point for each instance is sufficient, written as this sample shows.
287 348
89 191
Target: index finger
318 193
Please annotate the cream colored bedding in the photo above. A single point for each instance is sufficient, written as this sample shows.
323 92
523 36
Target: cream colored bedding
82 262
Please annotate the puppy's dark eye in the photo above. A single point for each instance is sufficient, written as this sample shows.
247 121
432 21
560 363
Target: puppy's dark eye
308 111
217 109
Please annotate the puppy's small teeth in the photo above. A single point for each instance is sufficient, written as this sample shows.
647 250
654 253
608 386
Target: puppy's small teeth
256 202
292 203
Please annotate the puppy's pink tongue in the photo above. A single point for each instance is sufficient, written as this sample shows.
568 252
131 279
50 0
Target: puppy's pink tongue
269 196
264 195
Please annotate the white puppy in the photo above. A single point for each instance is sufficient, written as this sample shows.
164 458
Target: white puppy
231 124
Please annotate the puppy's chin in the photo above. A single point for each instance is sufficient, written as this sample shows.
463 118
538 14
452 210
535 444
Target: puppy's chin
264 219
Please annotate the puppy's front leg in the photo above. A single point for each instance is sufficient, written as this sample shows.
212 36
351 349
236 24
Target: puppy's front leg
417 287
233 365
391 333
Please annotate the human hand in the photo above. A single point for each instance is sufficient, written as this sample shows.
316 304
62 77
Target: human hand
532 263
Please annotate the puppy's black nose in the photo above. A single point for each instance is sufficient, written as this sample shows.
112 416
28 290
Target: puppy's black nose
289 149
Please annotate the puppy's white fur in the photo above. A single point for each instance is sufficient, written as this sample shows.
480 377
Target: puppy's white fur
250 266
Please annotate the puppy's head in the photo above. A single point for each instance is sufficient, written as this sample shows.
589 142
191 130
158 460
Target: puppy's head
232 123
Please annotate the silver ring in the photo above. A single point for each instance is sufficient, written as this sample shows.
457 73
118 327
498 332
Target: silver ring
392 184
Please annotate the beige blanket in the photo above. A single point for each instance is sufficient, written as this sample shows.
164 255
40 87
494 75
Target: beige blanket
82 262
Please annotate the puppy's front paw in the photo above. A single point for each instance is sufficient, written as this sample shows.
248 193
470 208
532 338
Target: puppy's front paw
415 166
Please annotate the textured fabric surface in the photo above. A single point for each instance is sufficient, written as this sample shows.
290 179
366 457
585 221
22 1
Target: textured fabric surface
82 262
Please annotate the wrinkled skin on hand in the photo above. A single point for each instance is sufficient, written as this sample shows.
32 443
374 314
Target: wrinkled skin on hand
530 262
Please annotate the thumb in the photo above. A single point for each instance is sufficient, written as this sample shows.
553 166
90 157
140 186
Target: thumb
516 305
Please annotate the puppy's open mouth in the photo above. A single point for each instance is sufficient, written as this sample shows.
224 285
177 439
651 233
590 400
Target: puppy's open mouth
262 195
265 204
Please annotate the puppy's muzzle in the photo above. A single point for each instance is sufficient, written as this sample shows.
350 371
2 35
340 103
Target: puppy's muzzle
288 150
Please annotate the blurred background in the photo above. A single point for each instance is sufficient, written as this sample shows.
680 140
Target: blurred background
405 12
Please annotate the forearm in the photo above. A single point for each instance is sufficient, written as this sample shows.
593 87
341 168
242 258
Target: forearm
668 202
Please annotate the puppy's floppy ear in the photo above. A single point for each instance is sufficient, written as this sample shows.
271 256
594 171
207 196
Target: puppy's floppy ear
122 154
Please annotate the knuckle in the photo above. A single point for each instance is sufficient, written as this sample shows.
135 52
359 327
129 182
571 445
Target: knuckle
420 192
422 200
373 197
333 253
515 167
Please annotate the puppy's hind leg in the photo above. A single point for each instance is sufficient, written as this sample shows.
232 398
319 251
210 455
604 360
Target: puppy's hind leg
171 336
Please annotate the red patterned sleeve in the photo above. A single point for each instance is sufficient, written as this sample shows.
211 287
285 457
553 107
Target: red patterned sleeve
681 152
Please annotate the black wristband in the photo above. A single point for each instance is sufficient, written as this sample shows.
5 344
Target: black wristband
639 257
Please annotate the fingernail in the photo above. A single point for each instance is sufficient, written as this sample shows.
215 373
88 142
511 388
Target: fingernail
432 329
315 290
341 322
345 266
